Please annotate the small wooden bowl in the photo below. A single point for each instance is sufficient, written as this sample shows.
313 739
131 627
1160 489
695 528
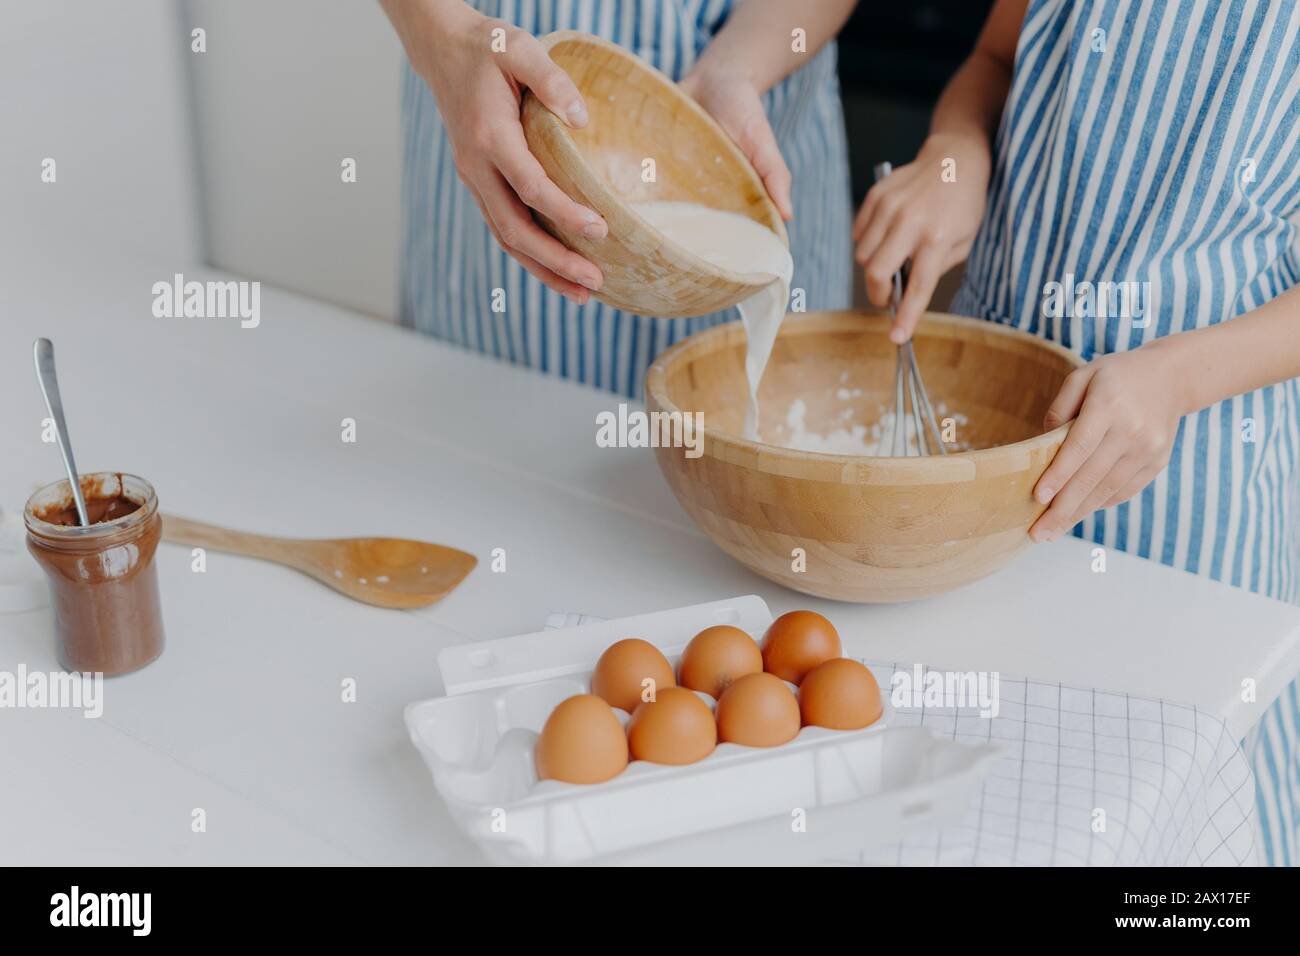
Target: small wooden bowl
874 530
636 113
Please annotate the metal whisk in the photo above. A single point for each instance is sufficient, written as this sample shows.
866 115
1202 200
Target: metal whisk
908 385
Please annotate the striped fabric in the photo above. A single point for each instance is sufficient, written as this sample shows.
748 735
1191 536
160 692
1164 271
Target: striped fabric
451 263
1157 141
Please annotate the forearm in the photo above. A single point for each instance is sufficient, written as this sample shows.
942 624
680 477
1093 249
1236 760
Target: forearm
972 102
758 40
1249 352
971 105
422 24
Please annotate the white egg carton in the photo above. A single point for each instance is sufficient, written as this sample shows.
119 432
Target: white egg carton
823 796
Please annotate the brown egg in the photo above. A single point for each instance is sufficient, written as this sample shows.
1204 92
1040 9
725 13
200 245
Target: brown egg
797 642
717 656
841 694
582 742
624 667
674 728
758 710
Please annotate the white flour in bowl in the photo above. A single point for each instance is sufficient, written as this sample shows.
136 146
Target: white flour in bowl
735 242
739 244
875 440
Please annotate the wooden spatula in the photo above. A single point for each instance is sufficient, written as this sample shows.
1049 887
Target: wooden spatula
386 572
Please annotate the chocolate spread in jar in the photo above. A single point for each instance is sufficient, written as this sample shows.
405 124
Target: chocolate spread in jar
103 583
98 510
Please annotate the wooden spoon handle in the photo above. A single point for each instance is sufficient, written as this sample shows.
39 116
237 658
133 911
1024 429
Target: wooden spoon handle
184 531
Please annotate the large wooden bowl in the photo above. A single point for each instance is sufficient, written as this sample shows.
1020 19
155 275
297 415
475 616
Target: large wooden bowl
874 530
638 114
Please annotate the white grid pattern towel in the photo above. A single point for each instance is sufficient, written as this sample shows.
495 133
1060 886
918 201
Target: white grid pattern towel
1088 777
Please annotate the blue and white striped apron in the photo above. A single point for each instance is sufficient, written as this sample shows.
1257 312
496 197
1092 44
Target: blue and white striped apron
451 262
1157 140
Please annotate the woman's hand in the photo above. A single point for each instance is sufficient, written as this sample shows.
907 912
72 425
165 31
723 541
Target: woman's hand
731 98
921 212
1126 407
478 91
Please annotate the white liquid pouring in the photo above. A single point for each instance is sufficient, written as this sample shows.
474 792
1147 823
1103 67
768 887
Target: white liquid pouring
735 242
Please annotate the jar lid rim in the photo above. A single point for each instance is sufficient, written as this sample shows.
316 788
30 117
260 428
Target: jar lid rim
74 531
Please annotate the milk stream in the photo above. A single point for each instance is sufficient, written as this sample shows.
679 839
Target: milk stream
739 244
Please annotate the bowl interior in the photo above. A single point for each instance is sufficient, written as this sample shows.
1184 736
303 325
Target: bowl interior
836 370
637 114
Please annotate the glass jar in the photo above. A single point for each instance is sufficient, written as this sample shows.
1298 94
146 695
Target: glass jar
103 583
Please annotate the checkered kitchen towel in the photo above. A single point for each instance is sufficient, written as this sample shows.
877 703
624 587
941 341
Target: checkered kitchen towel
1086 777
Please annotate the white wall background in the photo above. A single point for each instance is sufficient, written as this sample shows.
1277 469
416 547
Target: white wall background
287 89
97 87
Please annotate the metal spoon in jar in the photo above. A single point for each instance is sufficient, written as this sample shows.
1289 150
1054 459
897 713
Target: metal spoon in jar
43 352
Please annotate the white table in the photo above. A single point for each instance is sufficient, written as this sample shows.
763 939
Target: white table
242 715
